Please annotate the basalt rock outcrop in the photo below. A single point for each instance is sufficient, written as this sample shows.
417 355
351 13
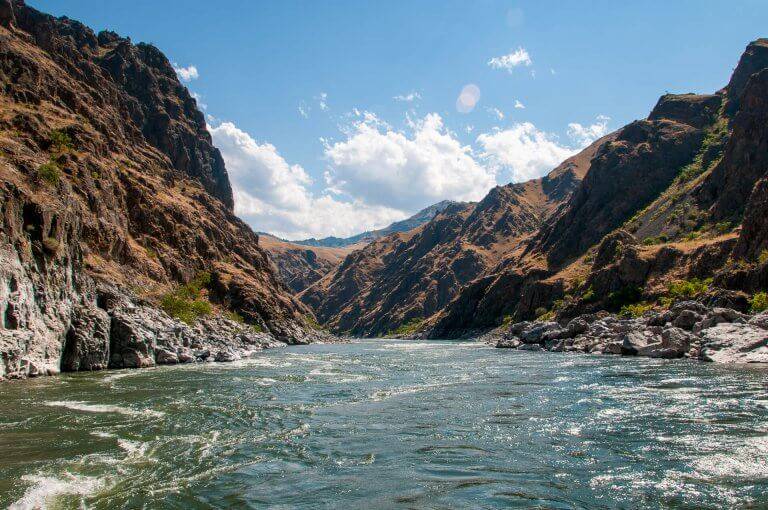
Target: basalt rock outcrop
687 330
108 179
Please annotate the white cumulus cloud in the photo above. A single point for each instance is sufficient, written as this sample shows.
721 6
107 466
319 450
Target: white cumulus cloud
524 152
274 196
186 74
407 172
519 57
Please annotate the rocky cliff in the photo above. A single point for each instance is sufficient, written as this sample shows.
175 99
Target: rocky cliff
672 207
667 208
114 201
396 283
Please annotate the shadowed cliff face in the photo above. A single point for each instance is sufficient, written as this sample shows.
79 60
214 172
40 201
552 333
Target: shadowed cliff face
406 278
109 180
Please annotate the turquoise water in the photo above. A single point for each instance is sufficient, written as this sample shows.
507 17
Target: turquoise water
391 424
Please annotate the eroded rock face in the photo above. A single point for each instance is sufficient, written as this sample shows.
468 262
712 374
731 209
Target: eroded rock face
88 338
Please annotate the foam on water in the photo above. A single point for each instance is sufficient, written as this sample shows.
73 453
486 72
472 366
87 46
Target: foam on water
103 408
45 490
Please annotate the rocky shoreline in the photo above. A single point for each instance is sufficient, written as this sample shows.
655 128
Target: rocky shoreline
689 330
120 332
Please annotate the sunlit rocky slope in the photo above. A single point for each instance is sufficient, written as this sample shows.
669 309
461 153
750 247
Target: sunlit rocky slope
114 202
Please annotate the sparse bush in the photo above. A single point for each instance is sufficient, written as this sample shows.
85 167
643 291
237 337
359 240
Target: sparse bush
506 321
660 239
542 314
49 173
763 258
723 227
635 310
409 327
151 253
758 302
311 322
589 296
60 141
234 317
187 303
687 289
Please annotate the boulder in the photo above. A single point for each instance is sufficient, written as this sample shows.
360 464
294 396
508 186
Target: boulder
734 343
633 341
132 344
535 333
166 357
686 319
226 356
517 328
719 316
577 326
760 320
508 343
86 346
185 355
529 347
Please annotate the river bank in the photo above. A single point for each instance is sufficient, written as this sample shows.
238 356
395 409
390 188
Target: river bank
689 329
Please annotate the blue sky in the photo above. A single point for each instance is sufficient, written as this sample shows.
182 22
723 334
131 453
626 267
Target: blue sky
357 157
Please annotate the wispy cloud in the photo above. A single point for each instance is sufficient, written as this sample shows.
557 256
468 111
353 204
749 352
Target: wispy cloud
303 111
407 98
519 105
186 74
323 101
519 57
496 113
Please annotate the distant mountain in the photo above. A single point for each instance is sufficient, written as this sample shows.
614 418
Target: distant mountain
405 225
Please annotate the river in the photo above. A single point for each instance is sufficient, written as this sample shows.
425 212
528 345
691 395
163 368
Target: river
390 424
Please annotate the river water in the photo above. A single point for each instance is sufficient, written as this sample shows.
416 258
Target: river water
391 424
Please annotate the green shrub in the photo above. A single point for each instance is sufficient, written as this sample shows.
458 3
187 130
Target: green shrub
186 303
687 289
660 239
311 322
409 327
60 141
759 302
506 321
763 258
49 173
636 310
723 227
589 295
